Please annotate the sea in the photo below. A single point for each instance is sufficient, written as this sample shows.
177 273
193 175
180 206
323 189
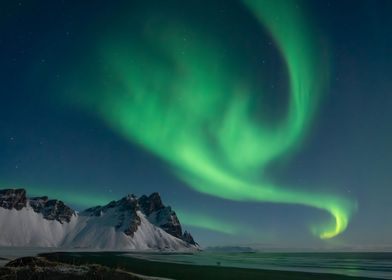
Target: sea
372 265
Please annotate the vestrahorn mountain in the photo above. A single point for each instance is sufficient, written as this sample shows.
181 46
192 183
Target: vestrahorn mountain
130 223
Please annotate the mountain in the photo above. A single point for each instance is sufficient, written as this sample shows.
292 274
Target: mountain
130 223
230 249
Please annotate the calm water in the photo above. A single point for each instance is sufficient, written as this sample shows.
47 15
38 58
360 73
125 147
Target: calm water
375 265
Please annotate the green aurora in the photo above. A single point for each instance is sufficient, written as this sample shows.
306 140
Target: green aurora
175 99
209 223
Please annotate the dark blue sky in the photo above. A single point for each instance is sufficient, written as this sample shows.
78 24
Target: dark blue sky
52 147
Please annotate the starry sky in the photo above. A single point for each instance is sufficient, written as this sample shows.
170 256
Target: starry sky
263 123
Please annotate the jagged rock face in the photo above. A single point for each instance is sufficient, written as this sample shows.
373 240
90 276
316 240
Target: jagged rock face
187 237
150 204
13 198
159 215
163 217
125 215
128 220
52 209
125 208
167 220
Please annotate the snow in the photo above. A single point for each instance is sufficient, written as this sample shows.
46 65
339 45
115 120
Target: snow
26 228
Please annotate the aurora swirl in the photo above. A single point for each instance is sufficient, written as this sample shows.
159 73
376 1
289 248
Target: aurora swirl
173 98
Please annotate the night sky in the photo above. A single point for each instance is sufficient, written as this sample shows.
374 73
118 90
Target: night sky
264 123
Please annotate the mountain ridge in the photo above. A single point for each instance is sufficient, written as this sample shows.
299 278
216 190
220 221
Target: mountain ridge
130 223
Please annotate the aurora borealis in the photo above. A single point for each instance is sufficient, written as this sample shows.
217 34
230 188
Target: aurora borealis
176 106
226 105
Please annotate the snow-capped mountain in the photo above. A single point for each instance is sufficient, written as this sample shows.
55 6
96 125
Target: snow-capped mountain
130 223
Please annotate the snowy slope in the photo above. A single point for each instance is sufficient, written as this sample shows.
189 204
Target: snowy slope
120 225
101 232
27 228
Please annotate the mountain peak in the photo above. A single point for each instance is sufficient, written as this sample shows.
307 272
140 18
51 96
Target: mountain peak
130 222
151 203
151 206
13 198
52 209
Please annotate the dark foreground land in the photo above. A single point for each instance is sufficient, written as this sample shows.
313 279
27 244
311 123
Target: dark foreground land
182 271
39 268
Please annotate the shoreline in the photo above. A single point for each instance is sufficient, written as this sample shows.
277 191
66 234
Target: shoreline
188 271
169 269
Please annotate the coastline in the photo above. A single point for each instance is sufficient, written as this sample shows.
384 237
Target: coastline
164 269
188 271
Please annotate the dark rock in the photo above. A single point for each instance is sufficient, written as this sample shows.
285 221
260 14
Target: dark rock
132 226
187 237
38 203
13 198
126 213
99 210
129 221
151 203
163 216
159 215
94 211
167 220
128 203
52 209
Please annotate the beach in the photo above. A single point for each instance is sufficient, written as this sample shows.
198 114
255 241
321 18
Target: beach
187 271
